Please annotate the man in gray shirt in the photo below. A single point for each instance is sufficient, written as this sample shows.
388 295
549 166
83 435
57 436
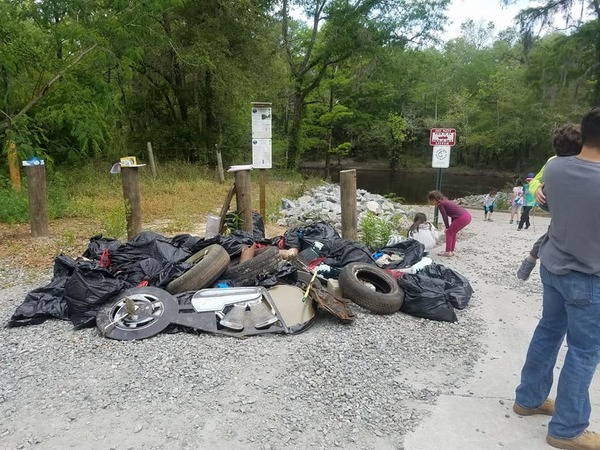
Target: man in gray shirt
570 272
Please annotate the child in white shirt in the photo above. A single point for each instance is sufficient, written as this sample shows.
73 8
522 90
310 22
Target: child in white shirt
423 231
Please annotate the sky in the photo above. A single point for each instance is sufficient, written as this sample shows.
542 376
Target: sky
486 10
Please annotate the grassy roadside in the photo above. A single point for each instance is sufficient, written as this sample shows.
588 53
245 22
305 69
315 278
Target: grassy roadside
88 200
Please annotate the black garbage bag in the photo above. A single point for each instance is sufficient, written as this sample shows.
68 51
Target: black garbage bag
42 304
47 302
148 244
305 237
258 226
426 297
236 242
88 289
411 250
341 252
98 245
153 272
457 288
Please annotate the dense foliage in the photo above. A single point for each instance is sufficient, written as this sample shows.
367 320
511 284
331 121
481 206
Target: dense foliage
369 78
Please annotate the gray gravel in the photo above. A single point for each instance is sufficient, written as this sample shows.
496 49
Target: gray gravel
360 386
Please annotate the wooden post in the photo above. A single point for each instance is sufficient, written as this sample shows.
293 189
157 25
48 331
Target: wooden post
151 159
262 183
38 203
133 204
243 196
220 164
13 166
348 203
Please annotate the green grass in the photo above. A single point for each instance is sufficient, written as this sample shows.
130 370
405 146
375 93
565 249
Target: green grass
182 194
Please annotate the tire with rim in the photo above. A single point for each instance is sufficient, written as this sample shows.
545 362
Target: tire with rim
371 287
154 310
209 263
245 273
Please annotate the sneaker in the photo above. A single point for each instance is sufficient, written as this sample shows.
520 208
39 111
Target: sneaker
546 408
588 440
510 222
525 270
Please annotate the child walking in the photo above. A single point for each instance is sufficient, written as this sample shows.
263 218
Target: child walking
566 141
488 205
528 203
516 201
455 219
424 232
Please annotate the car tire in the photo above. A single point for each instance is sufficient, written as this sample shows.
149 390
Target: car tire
244 274
209 263
371 287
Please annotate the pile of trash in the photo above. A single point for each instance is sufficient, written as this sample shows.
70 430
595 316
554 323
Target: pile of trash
241 284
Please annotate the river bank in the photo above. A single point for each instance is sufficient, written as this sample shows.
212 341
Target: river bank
384 165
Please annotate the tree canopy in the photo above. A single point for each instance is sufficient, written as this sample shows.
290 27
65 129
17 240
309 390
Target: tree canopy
365 78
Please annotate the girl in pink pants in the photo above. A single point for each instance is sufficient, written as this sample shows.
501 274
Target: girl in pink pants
455 219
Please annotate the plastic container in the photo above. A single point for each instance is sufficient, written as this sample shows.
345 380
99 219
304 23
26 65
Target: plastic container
212 227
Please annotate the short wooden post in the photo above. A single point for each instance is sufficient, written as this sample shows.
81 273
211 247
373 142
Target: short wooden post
262 176
243 196
151 159
133 204
13 166
348 203
220 164
38 203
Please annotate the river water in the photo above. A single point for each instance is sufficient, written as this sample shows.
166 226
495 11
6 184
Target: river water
414 186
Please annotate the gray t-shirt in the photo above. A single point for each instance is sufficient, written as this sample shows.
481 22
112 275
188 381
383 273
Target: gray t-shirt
573 239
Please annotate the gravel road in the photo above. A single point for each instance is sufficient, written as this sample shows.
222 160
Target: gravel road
360 386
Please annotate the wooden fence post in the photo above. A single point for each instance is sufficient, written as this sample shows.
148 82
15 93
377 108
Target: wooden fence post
243 196
151 159
348 203
262 173
38 202
220 164
133 204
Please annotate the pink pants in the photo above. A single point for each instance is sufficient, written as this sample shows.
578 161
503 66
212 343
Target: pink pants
451 232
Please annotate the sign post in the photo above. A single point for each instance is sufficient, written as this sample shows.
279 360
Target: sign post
262 157
442 140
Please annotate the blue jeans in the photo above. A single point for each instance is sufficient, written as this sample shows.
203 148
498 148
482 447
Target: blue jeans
571 306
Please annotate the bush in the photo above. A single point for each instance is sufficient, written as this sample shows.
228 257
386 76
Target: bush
374 232
15 207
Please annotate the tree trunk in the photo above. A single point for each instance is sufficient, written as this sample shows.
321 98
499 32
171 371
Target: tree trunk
294 146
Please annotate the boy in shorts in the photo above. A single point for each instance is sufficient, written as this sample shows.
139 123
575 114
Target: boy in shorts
566 141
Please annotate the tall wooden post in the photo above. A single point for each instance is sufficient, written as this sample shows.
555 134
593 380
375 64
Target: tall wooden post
262 176
13 166
243 196
133 204
38 203
348 203
151 159
220 164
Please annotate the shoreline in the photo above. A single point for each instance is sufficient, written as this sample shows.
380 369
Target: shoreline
380 165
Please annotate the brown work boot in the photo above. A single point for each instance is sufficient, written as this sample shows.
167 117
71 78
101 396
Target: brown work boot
546 408
586 441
